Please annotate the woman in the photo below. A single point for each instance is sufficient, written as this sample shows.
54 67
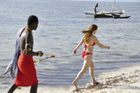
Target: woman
89 40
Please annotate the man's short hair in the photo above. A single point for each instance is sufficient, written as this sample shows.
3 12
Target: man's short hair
32 19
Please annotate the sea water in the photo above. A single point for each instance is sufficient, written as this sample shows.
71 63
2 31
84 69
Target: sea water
58 33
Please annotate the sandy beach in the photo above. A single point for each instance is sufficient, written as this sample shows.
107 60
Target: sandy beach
58 33
125 80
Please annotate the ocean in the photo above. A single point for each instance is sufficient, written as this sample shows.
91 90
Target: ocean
58 33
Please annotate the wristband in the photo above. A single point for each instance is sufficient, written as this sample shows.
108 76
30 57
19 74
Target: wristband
39 54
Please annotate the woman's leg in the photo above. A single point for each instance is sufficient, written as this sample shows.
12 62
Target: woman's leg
83 70
12 89
34 88
91 72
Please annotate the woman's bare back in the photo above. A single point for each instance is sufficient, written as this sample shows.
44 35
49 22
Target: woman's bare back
90 44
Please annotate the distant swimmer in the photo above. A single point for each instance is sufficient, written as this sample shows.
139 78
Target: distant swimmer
90 40
26 75
95 10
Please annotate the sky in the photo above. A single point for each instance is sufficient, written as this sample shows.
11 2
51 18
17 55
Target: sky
112 0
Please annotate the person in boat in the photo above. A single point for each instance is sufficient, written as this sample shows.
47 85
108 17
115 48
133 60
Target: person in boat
90 40
26 75
95 10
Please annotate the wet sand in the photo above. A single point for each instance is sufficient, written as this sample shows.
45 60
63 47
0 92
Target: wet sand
125 80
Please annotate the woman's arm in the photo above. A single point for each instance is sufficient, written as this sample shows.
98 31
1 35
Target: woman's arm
99 44
78 46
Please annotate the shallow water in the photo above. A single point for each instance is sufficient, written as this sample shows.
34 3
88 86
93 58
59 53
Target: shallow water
59 31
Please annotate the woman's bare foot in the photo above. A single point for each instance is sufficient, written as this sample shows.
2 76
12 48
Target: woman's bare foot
95 83
75 86
92 85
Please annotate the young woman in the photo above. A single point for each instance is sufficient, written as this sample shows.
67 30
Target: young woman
89 40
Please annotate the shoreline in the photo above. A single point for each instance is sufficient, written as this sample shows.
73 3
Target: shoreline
124 80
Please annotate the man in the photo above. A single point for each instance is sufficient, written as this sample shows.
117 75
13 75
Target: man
26 75
95 10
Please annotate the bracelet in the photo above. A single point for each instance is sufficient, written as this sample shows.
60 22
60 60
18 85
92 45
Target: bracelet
39 54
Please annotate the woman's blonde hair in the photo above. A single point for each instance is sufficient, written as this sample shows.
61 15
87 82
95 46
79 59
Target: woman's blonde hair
88 33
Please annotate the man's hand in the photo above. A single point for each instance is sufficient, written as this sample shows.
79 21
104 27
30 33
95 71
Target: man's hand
40 53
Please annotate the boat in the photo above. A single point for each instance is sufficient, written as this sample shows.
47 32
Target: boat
112 14
103 16
121 16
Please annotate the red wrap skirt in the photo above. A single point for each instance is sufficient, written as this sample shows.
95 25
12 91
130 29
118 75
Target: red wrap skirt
26 75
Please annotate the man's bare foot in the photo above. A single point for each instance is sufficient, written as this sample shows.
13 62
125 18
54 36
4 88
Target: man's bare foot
75 86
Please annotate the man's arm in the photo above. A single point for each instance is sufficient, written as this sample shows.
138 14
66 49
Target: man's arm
29 44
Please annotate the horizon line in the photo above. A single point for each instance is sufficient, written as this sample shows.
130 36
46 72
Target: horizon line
106 0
